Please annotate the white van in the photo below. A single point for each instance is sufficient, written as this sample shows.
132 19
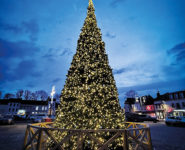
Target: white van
176 117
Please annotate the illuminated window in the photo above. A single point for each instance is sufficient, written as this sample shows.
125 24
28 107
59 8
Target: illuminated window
37 107
42 107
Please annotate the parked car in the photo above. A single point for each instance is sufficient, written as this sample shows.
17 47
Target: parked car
140 118
39 117
7 119
176 117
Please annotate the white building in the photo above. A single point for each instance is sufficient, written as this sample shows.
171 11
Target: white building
167 102
12 106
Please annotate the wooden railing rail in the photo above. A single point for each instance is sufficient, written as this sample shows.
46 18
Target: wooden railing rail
136 136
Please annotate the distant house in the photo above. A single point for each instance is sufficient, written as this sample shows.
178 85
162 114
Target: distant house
140 105
31 107
167 102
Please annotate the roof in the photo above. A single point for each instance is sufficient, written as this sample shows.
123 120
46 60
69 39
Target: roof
28 102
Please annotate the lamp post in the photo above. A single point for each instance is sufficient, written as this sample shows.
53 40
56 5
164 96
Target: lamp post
52 95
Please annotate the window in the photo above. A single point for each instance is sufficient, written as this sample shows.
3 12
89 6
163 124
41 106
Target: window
176 96
37 107
183 104
173 105
178 106
42 107
171 96
13 110
14 105
181 95
9 109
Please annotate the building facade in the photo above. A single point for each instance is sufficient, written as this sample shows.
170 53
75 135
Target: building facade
31 107
168 102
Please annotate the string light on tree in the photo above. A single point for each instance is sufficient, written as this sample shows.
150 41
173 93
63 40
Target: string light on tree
89 99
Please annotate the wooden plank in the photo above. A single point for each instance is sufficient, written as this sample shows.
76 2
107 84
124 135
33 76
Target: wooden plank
26 136
141 143
31 139
149 139
125 140
105 145
39 142
80 141
94 139
52 138
64 140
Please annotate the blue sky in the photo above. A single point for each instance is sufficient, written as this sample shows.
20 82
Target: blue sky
145 43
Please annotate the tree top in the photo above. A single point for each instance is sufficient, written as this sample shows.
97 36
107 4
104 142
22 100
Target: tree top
91 3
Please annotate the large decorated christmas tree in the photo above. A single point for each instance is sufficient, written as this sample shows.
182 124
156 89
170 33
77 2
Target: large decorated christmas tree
89 99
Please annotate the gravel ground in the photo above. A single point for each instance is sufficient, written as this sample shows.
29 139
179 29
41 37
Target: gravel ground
163 137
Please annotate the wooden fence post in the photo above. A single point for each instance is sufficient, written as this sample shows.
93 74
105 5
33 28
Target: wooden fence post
125 140
26 137
149 139
39 142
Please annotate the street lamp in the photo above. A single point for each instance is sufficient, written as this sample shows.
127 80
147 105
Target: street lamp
52 95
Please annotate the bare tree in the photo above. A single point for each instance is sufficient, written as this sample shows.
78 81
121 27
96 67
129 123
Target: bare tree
27 95
19 93
35 95
9 95
43 95
57 97
131 94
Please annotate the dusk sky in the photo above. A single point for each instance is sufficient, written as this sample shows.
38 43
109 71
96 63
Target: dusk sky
145 43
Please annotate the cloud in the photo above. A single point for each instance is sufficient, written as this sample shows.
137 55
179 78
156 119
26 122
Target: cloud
173 85
24 69
66 51
10 27
17 60
114 3
56 80
119 71
111 36
178 51
18 49
31 28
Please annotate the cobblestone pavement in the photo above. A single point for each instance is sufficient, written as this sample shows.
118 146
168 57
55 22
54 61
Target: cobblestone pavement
163 137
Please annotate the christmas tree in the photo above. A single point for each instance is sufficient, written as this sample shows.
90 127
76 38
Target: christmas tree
89 99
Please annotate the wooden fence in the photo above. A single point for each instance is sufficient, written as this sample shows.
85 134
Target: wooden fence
136 136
